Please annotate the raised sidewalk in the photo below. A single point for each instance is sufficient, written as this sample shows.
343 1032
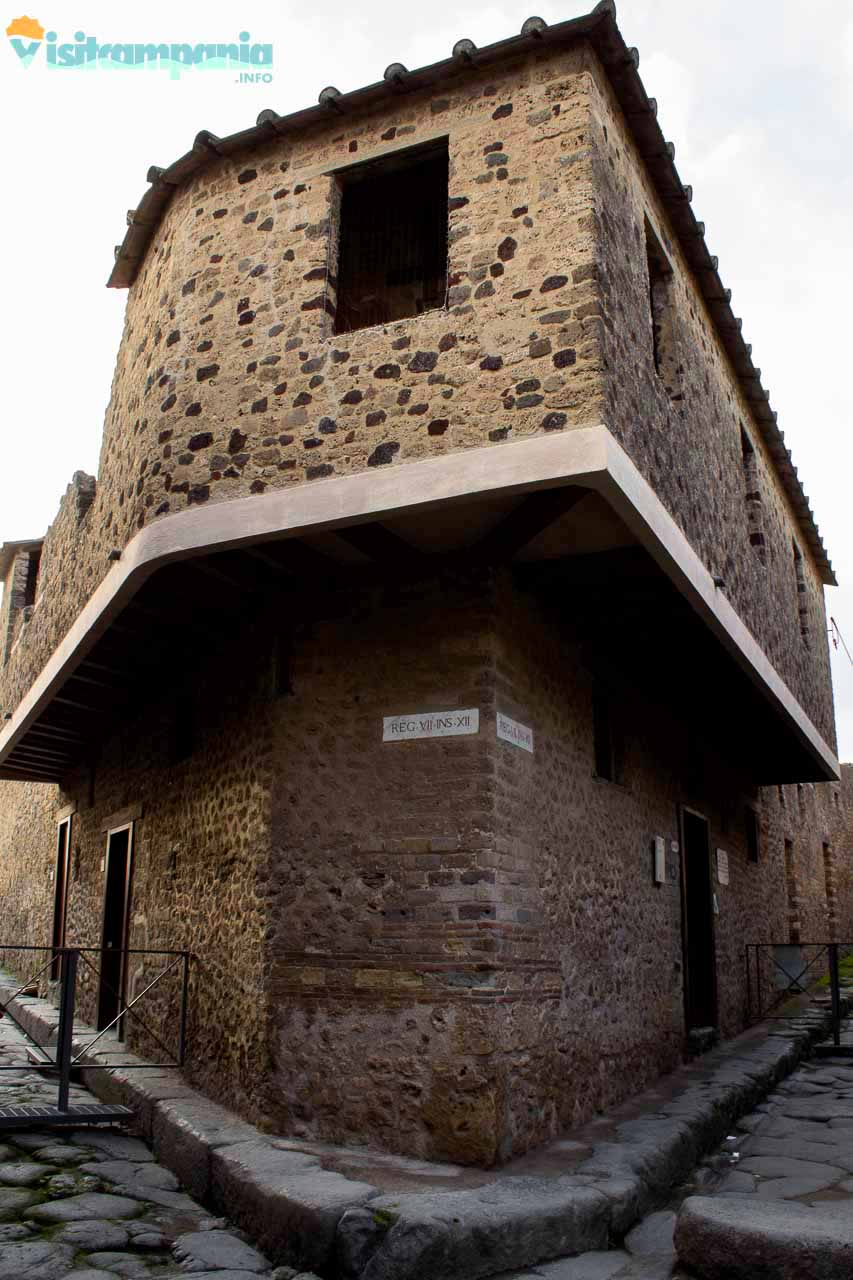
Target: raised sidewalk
411 1221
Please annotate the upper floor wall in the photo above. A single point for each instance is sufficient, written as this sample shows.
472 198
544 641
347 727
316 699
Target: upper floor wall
674 402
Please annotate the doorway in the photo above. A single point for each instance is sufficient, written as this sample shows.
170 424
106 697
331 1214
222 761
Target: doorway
60 894
697 914
114 935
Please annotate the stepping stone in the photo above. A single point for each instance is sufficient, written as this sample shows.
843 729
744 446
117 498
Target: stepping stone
206 1250
13 1202
24 1175
653 1236
89 1205
739 1238
93 1234
35 1260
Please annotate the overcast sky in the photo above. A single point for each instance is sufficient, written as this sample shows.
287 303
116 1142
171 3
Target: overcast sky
756 96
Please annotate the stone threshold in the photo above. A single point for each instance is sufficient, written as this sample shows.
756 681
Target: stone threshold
300 1211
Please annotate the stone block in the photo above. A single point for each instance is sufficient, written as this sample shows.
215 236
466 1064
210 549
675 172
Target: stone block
740 1238
283 1199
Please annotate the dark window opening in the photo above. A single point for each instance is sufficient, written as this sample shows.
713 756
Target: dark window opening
60 895
802 594
607 744
753 834
752 497
831 896
661 313
183 729
392 239
282 662
31 584
793 893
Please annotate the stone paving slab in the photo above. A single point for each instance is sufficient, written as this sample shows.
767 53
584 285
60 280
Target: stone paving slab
93 1213
296 1209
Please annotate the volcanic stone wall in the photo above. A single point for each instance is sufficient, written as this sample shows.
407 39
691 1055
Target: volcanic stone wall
200 863
684 427
597 944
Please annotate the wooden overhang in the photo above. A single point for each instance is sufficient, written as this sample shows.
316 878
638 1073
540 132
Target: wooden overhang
570 512
621 65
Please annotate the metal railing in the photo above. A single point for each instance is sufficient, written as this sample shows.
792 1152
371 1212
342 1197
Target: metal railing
778 971
70 960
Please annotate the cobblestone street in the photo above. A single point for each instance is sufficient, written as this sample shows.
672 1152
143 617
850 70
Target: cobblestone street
93 1204
795 1149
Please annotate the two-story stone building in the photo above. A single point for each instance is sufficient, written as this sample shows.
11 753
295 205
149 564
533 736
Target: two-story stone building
447 600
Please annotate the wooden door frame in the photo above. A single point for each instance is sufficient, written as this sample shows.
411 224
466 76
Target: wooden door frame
696 813
125 924
59 942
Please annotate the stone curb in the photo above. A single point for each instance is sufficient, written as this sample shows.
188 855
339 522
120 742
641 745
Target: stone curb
299 1212
736 1237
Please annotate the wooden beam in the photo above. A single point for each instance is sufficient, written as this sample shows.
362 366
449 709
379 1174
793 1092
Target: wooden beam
79 706
44 729
28 774
40 753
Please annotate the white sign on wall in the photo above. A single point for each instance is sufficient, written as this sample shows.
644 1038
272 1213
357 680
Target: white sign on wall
430 724
722 866
520 735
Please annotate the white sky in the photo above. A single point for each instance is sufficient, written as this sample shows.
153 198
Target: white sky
756 96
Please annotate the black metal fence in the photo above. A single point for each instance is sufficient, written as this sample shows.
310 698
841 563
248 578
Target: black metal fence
778 971
74 963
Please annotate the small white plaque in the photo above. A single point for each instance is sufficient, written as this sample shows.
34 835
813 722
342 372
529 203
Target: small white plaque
722 867
660 860
430 724
520 735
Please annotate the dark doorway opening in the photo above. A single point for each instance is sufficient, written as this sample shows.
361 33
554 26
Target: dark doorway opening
114 935
700 976
60 894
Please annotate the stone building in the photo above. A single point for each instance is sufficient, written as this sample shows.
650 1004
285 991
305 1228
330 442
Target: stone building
444 655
